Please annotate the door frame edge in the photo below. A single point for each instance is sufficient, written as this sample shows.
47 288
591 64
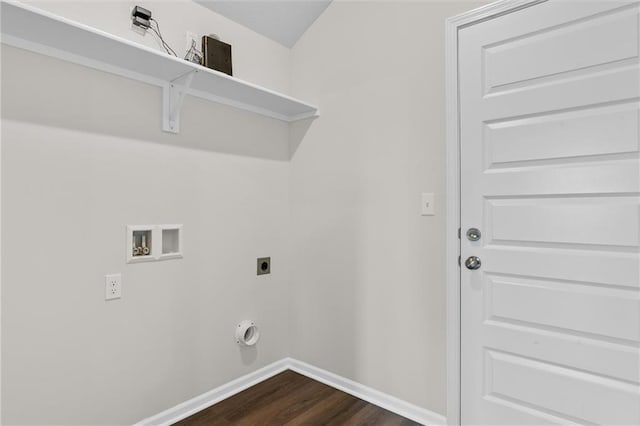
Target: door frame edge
452 109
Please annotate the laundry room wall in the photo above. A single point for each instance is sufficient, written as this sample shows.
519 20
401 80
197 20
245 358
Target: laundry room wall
83 156
368 273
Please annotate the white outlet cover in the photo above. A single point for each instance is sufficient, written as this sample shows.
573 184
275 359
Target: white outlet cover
112 286
428 204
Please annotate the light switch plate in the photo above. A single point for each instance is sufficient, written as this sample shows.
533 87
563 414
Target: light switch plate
428 204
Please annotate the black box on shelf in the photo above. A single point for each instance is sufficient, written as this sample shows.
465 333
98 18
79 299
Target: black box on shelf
216 55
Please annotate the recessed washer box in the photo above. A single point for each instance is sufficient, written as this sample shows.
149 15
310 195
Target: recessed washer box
140 243
147 243
171 241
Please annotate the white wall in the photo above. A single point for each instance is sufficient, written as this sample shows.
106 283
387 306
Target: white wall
368 274
82 157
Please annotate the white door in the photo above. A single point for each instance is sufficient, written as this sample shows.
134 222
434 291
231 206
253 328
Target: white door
550 176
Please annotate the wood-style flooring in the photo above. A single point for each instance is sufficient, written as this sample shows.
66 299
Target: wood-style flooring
293 399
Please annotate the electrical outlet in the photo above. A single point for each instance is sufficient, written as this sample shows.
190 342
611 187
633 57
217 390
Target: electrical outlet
264 266
190 38
112 286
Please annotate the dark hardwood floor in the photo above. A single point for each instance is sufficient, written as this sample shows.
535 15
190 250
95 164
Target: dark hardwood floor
293 399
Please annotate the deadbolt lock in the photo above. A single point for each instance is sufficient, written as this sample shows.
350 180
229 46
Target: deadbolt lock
473 234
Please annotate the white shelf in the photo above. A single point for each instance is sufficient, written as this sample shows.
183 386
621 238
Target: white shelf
33 29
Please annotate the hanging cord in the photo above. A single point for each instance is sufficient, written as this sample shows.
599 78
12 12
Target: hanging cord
165 45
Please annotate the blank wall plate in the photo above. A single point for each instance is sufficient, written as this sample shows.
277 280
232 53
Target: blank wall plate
428 204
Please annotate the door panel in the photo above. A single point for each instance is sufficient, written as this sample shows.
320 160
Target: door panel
578 350
564 137
602 400
594 41
567 220
595 267
550 173
603 176
545 304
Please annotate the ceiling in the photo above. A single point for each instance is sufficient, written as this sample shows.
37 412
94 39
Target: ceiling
283 21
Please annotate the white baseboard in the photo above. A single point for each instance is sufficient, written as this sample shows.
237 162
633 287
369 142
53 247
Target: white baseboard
388 402
207 399
365 393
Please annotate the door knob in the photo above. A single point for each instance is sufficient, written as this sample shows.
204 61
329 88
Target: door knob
473 234
472 262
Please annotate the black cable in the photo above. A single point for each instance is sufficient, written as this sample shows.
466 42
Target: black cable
159 34
159 39
162 43
165 45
